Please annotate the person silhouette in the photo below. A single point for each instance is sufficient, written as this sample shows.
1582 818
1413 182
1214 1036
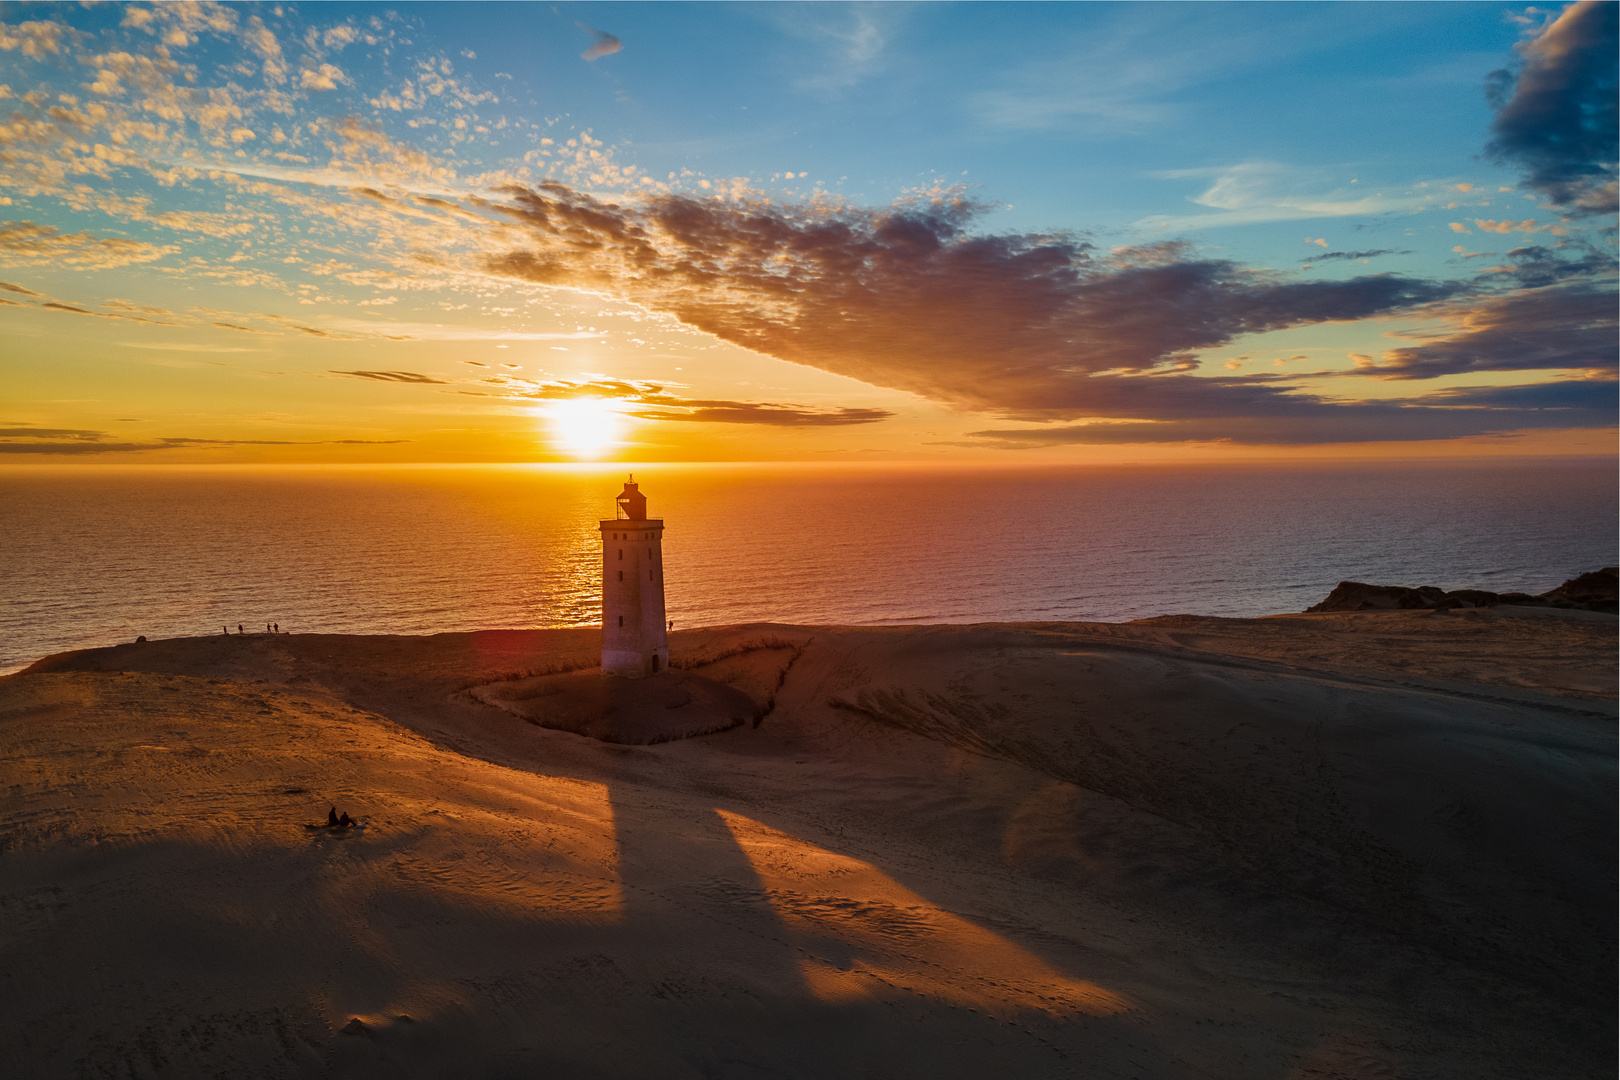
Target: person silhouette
672 624
345 821
276 627
332 818
227 630
239 629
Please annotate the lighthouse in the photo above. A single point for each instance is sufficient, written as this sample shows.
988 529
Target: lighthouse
634 641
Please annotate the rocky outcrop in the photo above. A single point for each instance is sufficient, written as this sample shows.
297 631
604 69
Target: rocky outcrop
1593 591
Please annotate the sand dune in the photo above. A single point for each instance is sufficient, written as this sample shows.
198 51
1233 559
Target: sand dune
1352 845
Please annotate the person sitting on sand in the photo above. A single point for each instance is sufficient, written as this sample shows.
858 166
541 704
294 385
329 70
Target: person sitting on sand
332 818
345 821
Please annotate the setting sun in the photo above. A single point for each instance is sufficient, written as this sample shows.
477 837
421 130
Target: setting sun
585 426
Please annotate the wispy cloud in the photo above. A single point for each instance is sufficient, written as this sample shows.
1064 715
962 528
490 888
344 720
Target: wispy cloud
604 45
769 413
27 439
1256 192
185 346
1135 66
27 243
847 43
657 401
393 377
73 309
419 331
1351 256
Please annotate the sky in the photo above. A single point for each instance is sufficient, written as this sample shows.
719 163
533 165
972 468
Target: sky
1010 233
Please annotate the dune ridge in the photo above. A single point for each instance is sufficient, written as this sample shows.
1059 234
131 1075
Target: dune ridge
1335 845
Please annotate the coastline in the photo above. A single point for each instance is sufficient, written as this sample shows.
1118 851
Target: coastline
1318 843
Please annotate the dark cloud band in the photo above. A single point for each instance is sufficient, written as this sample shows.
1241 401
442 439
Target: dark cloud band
911 298
1556 118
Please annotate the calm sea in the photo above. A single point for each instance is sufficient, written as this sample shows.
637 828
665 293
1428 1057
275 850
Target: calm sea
96 556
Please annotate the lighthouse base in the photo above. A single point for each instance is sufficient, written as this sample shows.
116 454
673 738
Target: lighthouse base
635 665
638 712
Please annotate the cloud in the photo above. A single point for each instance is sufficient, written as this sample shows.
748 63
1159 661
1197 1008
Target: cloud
1125 74
9 287
441 332
49 433
1528 225
37 40
1256 192
52 305
770 413
392 376
1586 394
74 441
1348 255
908 297
185 346
1449 414
125 305
282 320
243 329
1536 265
1558 124
1455 412
75 447
660 404
604 45
1564 327
323 77
30 244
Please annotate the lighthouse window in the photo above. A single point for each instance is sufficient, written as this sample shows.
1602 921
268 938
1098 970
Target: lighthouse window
621 553
621 620
621 575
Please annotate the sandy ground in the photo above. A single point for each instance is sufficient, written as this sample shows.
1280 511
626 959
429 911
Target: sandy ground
1371 845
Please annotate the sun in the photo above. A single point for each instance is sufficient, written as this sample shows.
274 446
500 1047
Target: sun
586 426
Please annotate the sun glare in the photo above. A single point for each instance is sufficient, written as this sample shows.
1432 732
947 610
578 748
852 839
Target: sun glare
585 426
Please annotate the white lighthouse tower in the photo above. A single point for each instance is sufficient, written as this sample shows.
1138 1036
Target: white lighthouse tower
634 641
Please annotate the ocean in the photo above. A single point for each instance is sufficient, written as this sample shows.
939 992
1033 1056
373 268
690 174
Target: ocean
97 555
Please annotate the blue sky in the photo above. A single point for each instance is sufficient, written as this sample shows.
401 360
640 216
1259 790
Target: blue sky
1059 228
1088 116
